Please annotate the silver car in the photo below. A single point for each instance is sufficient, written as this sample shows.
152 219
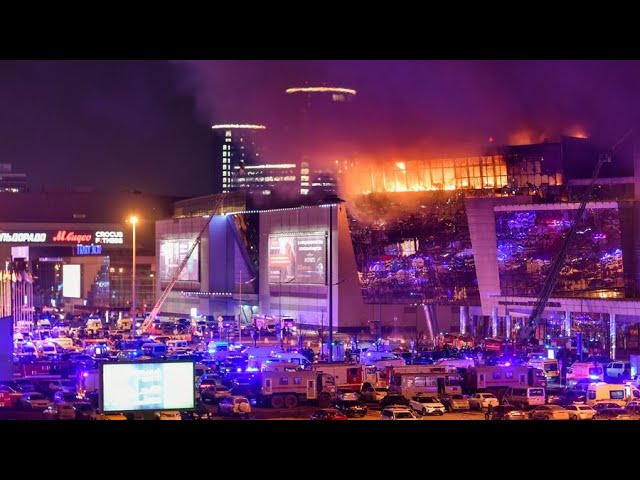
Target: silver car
549 412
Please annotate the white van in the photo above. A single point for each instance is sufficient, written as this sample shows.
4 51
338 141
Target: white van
456 362
174 344
154 350
296 358
64 342
371 357
618 369
47 349
525 397
613 393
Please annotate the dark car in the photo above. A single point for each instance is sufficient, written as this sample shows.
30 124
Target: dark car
328 414
394 399
610 411
83 410
565 396
351 408
506 412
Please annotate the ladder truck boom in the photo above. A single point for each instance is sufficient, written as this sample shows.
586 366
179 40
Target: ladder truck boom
527 333
148 322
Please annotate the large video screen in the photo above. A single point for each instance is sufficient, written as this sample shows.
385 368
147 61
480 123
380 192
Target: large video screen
71 281
127 387
299 258
172 252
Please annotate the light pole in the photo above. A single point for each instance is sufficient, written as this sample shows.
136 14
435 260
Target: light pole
280 306
241 312
133 220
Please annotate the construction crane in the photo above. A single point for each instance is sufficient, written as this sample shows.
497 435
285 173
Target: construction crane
148 322
527 333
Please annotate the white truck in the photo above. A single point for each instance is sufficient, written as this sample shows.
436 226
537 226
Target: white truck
287 389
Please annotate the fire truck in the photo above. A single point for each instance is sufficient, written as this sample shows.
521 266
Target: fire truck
348 375
287 389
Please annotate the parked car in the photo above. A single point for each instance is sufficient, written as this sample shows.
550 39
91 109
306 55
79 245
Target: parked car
506 412
168 415
107 416
234 405
394 399
346 394
33 401
351 408
426 405
59 411
633 407
549 412
565 396
215 393
580 412
610 411
614 414
397 412
62 396
83 410
479 401
454 402
328 414
373 395
207 380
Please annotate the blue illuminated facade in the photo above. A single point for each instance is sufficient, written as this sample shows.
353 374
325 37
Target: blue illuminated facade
529 240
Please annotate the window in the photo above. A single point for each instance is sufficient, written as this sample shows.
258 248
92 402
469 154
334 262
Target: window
497 375
591 394
419 382
297 380
284 380
508 374
616 394
536 392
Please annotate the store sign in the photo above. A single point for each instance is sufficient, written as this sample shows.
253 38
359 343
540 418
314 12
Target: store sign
70 237
23 237
111 237
88 249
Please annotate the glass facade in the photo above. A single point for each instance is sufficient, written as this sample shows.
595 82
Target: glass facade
413 248
529 240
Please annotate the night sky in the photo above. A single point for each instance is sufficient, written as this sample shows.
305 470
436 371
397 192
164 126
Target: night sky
145 125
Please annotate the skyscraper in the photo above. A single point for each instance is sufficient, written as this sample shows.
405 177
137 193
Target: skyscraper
237 146
320 128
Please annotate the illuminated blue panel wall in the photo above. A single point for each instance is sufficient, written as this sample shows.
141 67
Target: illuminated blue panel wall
529 238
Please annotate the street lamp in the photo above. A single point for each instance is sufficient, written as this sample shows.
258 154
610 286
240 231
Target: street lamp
241 312
280 305
133 220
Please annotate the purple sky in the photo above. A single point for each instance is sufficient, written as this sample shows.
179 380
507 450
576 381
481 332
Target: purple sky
122 125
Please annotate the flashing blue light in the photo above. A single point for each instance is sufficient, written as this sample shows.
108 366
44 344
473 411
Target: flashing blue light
239 370
594 377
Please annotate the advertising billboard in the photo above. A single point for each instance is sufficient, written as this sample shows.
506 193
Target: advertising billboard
172 252
137 386
298 258
71 281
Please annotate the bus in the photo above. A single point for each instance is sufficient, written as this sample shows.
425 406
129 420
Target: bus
409 380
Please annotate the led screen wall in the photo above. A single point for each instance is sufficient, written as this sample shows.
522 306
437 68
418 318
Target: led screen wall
529 241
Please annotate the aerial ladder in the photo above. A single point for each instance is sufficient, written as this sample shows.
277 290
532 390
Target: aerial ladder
527 333
148 322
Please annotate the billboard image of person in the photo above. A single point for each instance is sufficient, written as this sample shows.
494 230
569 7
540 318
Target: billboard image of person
298 258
